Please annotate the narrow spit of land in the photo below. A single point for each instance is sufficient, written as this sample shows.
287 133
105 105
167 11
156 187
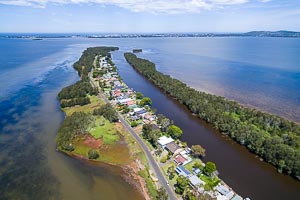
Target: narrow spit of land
92 131
273 138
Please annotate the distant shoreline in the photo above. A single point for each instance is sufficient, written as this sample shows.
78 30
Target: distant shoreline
280 34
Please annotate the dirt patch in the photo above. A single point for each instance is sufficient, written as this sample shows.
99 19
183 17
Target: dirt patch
132 177
92 142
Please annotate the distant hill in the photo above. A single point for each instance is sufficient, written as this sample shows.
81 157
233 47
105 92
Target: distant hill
272 34
138 35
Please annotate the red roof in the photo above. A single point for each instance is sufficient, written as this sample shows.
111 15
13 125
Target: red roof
129 103
117 92
180 159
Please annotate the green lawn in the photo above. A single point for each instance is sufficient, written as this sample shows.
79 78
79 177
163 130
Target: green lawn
190 165
165 169
105 130
95 103
211 182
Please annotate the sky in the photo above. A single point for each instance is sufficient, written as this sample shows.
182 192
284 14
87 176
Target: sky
148 16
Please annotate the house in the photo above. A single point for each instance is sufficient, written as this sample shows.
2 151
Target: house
173 147
149 117
124 101
182 171
130 103
225 192
139 111
120 87
222 189
133 118
196 171
117 83
180 160
195 181
132 106
237 197
117 93
164 140
154 127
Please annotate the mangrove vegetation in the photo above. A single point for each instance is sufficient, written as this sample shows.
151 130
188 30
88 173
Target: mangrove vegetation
275 139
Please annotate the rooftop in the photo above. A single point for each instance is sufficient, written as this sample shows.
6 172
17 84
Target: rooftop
164 140
195 181
180 159
172 147
182 171
222 189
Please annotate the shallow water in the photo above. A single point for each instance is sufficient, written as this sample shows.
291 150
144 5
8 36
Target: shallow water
261 72
30 166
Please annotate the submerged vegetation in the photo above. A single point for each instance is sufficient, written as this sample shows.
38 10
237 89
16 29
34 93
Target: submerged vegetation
92 130
274 138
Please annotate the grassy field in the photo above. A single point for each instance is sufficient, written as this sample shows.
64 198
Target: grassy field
105 130
95 103
165 170
190 165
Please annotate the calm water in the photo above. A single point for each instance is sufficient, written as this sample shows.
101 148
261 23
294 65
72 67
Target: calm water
261 72
30 168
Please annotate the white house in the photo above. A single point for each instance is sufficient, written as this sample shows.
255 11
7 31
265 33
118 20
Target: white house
164 140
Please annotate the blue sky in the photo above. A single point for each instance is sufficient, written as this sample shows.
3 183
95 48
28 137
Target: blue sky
145 16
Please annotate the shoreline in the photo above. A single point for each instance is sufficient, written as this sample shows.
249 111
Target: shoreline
133 179
247 105
113 99
241 106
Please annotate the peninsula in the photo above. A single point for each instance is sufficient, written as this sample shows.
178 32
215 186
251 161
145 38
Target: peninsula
92 130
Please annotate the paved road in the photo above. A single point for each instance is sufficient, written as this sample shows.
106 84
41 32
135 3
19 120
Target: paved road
152 162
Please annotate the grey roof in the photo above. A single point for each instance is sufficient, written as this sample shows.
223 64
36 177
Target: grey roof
196 181
172 146
222 189
237 197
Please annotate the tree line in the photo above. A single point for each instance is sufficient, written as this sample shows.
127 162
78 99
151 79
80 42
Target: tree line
275 139
85 64
76 94
73 125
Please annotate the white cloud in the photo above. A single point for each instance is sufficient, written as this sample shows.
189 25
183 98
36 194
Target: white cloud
156 6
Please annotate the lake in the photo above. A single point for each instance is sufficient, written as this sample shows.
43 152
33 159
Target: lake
259 72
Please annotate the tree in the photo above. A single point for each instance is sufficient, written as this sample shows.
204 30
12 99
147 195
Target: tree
209 168
197 164
134 124
171 172
108 112
181 184
198 151
146 101
174 131
139 95
150 135
93 154
164 122
188 195
162 194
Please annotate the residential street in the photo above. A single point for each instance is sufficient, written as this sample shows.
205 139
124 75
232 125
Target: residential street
152 162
